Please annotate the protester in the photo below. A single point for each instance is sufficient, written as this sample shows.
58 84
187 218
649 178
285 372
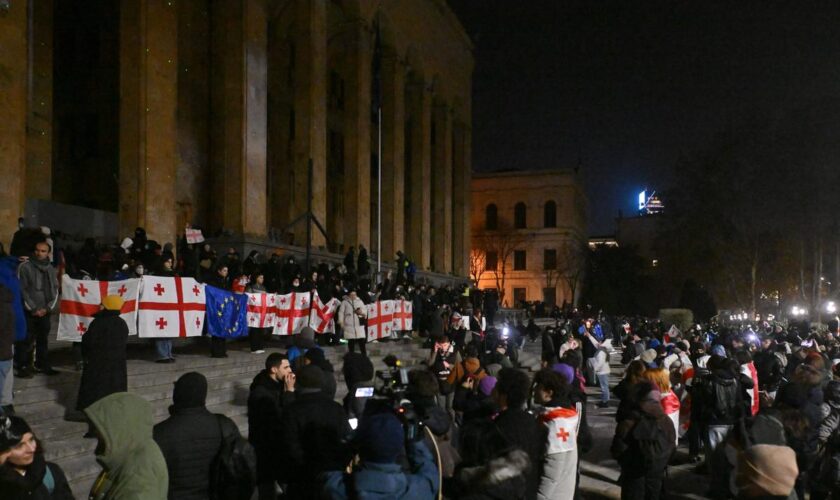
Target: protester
561 422
191 438
163 346
7 340
358 372
24 473
256 284
351 317
519 428
39 286
133 466
316 357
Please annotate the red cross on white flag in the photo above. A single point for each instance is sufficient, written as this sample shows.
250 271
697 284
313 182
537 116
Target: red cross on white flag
380 319
402 315
291 313
170 307
261 310
80 300
321 316
562 426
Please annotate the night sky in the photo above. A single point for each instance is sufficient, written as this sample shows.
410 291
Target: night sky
628 87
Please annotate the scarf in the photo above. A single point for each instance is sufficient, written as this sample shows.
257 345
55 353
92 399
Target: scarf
43 281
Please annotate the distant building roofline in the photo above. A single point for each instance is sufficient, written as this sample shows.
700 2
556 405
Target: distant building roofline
523 173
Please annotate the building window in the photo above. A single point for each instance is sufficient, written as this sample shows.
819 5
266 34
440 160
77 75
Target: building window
491 261
519 260
550 214
519 216
520 295
491 218
549 259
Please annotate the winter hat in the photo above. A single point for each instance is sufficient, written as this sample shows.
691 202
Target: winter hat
719 350
306 339
766 470
190 391
310 377
487 384
12 430
112 302
566 371
315 356
472 365
380 437
648 356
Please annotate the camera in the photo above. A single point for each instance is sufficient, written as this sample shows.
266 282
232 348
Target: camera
388 394
392 382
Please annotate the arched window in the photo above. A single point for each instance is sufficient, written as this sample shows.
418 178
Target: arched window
550 214
491 219
519 216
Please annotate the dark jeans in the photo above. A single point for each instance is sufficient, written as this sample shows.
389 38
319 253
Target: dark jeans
352 343
37 339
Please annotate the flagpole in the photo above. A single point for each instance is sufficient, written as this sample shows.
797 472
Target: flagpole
379 195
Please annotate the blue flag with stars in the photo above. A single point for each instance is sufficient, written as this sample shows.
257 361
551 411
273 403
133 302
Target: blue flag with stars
227 313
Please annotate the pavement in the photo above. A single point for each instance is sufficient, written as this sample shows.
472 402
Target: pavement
599 471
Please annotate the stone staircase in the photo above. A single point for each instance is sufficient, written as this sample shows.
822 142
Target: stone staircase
45 401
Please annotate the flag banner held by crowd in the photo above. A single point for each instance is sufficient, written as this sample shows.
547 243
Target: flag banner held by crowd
227 313
403 315
562 426
671 406
292 313
170 307
261 310
80 300
321 316
380 319
194 235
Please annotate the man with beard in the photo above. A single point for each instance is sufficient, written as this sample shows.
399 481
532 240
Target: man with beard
39 287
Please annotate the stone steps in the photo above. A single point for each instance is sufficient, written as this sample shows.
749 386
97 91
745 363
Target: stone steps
44 401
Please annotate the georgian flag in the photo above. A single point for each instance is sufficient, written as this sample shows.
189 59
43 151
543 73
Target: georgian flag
750 371
80 300
321 317
291 313
170 307
380 319
563 425
261 310
671 406
403 315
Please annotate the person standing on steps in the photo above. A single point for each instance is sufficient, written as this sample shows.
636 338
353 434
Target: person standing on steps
218 345
39 286
351 315
163 346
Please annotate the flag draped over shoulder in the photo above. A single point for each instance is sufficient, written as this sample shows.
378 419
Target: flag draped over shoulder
321 316
227 313
170 307
80 300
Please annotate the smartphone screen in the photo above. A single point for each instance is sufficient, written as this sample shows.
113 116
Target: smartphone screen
354 422
364 392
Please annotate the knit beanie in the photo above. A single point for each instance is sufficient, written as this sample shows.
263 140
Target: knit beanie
380 438
12 430
306 339
310 377
565 371
766 470
112 302
190 391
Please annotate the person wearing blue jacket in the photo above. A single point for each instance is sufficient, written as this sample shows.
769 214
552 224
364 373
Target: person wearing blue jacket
380 475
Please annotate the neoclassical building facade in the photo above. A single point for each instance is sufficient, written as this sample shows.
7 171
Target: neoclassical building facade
529 234
209 112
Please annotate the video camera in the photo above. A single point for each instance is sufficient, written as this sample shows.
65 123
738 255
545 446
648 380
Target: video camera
388 394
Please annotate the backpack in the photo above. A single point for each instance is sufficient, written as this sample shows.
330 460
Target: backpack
233 472
726 401
654 446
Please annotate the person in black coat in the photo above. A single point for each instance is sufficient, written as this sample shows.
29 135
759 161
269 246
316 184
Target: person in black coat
24 473
104 369
316 357
358 372
272 390
191 438
314 430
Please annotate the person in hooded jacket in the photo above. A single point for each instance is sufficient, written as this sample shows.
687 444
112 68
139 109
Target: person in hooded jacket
104 369
642 475
191 438
422 391
379 476
133 467
717 404
358 372
272 390
24 473
316 357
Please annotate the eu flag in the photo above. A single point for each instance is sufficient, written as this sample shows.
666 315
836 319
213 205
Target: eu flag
227 313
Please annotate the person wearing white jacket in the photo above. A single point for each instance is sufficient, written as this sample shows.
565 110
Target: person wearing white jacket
351 317
601 367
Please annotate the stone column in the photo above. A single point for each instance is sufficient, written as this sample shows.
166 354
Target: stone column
40 115
393 151
419 188
148 125
238 125
461 192
357 129
13 61
441 230
310 97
